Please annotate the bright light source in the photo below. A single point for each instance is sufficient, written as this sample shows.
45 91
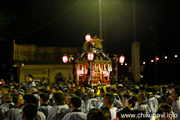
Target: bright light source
157 58
125 64
90 56
106 73
121 59
22 64
88 38
144 63
65 59
175 56
165 57
79 72
1 82
152 61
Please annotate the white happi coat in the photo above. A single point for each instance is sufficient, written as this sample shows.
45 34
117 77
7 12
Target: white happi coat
55 110
153 104
176 109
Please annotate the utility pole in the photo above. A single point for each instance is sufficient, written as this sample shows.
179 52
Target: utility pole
135 49
153 29
100 20
155 43
134 20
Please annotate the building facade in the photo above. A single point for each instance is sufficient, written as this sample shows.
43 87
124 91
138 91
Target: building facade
41 61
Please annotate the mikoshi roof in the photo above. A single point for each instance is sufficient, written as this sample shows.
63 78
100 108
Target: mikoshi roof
99 55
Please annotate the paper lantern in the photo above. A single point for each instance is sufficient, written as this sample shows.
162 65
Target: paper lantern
90 56
1 82
121 59
88 38
65 59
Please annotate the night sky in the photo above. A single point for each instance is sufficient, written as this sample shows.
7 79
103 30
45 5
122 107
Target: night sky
66 22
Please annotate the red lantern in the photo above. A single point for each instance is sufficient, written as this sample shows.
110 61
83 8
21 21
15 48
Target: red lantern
1 82
105 73
88 38
65 59
121 59
90 56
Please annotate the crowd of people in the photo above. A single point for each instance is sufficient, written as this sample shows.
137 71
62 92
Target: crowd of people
69 101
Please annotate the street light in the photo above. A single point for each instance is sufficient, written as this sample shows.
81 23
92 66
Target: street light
125 64
157 58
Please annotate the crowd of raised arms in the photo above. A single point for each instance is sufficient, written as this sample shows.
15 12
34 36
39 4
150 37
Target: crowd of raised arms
69 101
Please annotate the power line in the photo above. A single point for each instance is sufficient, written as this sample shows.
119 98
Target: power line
53 20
